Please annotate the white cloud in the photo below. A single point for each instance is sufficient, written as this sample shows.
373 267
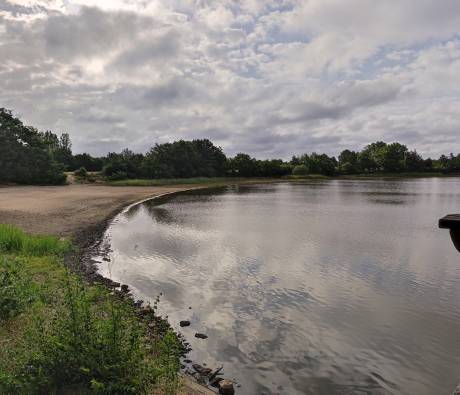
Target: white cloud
271 77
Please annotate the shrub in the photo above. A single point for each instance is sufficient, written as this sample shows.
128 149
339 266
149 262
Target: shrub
300 170
81 172
15 289
119 175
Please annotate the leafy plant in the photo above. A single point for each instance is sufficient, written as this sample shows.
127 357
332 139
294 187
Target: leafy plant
15 288
81 172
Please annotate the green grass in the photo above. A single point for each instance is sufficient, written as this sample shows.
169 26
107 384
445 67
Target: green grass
58 333
14 240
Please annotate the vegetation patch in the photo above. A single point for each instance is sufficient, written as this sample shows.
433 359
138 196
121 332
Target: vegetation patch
60 334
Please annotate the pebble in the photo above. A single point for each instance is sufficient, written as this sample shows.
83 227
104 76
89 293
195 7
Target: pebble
226 387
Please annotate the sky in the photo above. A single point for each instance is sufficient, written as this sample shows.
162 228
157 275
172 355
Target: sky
271 78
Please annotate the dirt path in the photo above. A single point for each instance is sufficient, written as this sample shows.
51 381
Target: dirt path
70 209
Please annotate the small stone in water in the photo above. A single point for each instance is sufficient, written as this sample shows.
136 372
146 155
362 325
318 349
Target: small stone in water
226 387
184 323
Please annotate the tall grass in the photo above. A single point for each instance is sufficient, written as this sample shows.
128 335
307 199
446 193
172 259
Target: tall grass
15 241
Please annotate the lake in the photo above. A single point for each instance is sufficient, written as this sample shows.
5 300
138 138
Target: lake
321 287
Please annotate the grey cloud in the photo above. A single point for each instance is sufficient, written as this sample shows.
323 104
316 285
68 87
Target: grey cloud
154 49
154 96
91 32
99 117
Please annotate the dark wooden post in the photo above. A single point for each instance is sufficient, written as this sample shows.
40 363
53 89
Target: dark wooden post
452 222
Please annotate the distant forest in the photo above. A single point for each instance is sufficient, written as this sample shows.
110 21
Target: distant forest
28 156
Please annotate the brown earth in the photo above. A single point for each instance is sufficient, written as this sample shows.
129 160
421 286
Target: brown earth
69 209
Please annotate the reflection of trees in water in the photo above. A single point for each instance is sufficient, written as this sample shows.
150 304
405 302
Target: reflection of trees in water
161 215
376 192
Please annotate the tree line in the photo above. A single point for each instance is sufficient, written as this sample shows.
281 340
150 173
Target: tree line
29 156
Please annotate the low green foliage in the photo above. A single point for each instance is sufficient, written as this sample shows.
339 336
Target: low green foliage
300 170
118 175
15 241
81 172
15 289
58 333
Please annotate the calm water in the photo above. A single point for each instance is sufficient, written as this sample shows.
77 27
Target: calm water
306 288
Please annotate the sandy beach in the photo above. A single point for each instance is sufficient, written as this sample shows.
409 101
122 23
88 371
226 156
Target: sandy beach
69 209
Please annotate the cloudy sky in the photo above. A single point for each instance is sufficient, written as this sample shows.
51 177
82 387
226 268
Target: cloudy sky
267 77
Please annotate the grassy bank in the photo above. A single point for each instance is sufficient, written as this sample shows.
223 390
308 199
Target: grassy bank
59 334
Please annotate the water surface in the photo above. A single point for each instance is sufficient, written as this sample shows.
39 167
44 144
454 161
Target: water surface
323 287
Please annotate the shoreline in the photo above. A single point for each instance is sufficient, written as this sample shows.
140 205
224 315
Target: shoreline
80 260
87 243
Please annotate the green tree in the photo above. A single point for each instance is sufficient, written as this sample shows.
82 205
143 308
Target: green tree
414 162
300 170
386 157
321 164
349 162
127 163
242 165
24 155
180 159
87 161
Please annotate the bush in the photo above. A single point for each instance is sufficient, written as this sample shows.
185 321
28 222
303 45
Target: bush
300 170
81 172
119 175
15 292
